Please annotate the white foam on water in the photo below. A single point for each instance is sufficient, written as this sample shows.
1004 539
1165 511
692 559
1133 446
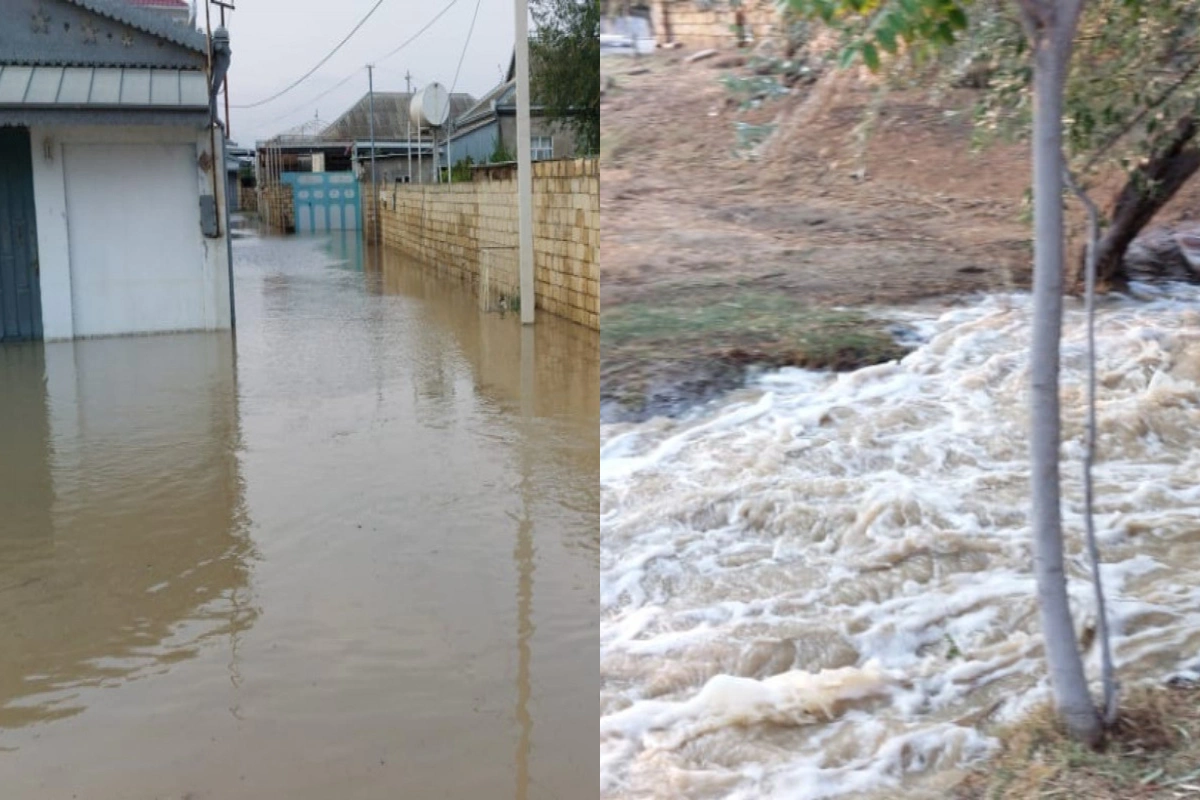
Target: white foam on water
824 588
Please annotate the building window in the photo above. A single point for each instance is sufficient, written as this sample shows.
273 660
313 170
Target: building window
543 148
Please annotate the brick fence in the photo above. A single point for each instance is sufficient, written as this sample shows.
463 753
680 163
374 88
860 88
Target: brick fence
247 198
468 231
370 218
703 25
275 207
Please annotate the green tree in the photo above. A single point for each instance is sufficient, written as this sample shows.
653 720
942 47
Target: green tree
565 66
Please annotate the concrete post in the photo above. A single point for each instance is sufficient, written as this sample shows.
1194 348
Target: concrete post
524 165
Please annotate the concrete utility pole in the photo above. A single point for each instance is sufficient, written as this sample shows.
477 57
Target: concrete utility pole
524 165
374 188
408 116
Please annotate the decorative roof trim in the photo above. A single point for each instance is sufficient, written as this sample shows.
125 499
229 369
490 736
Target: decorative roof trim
147 21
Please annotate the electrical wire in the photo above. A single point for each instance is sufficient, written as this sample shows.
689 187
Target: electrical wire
413 38
466 44
393 52
320 63
331 89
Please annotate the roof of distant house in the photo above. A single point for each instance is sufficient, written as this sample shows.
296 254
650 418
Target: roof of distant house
391 117
502 96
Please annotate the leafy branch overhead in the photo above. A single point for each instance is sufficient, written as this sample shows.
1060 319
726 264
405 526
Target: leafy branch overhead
1135 70
1131 95
887 26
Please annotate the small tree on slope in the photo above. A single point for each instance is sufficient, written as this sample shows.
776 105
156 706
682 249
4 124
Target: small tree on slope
1050 27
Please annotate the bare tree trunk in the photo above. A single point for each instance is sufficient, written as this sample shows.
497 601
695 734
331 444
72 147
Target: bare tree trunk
1149 189
1051 28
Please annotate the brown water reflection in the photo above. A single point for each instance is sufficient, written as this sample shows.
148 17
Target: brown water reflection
362 563
123 545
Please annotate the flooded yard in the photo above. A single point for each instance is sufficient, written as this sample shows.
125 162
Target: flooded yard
821 586
351 552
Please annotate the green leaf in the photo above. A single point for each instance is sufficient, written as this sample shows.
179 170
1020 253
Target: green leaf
887 39
847 56
870 57
957 18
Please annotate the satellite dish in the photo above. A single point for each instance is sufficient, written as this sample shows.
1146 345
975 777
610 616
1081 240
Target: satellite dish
430 107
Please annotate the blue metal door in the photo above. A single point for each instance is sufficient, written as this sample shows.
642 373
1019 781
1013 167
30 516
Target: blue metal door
325 201
20 297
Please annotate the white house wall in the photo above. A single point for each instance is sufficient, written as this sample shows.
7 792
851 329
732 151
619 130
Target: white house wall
119 239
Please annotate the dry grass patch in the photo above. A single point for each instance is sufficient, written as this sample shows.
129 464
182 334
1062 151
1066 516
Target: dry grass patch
1152 752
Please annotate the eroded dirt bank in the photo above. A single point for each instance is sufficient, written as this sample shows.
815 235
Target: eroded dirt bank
718 256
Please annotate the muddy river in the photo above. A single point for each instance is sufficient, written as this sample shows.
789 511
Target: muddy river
350 553
822 588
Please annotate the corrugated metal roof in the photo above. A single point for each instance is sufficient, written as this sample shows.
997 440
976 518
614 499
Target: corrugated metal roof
391 117
102 86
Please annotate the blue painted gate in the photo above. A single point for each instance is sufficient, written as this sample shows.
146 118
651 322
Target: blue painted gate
325 201
20 298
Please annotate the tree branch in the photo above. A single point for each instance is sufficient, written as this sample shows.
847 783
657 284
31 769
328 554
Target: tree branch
1089 453
1158 101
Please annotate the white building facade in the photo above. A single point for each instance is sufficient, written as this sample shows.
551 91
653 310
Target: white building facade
113 209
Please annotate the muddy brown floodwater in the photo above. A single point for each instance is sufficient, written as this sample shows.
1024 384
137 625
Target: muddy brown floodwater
352 553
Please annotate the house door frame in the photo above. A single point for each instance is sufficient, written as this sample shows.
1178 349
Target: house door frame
20 278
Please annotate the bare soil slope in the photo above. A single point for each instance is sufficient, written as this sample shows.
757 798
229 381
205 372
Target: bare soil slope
820 216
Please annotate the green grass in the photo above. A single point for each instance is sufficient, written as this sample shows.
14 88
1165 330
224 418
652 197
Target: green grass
770 328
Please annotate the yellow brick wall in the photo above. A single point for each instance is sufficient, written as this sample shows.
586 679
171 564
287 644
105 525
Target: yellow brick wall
369 220
275 207
692 24
468 231
247 198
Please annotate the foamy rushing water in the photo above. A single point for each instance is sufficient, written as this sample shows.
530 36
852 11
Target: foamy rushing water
823 588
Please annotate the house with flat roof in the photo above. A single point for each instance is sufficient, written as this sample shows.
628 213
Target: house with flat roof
113 214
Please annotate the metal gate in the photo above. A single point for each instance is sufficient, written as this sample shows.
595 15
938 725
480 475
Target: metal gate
325 201
20 298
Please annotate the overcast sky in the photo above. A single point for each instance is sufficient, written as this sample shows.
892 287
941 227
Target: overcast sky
276 41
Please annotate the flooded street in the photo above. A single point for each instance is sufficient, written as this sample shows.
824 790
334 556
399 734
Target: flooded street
351 553
823 587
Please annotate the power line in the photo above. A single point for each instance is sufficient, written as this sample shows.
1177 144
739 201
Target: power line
466 44
346 79
320 63
331 89
413 38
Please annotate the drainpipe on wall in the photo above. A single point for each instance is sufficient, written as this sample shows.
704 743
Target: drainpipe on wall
219 55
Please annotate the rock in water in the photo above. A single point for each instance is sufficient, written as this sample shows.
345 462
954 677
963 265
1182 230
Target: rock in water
1189 246
1156 255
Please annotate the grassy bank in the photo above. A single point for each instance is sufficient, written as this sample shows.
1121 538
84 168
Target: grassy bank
673 349
1153 752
